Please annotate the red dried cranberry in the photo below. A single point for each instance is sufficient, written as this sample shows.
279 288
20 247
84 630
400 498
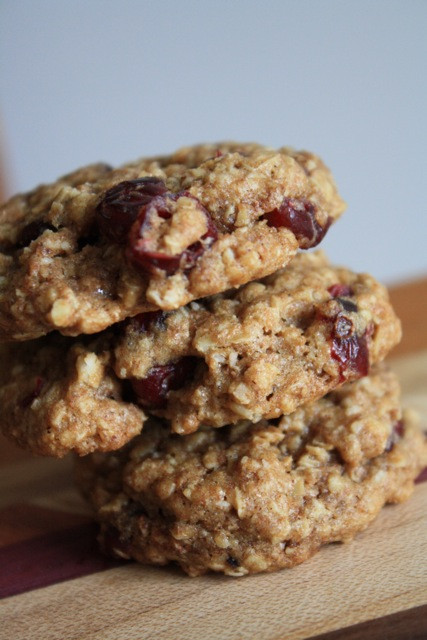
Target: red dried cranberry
140 250
29 399
300 217
352 355
153 389
31 232
370 330
396 433
340 290
150 261
120 205
145 321
422 477
347 348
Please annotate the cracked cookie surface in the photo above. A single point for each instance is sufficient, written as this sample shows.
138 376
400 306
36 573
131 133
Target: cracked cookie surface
257 497
102 244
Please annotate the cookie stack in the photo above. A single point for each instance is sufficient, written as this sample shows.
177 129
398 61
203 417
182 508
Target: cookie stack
224 390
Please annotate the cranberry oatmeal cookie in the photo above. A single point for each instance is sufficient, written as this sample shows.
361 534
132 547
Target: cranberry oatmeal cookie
257 497
59 395
102 244
260 351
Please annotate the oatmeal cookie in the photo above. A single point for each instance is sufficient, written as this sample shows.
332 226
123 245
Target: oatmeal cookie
257 497
59 395
102 244
260 351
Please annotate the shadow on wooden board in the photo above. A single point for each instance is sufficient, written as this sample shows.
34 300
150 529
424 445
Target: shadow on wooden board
405 625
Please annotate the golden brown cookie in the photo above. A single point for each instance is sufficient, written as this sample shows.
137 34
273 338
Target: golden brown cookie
257 497
102 244
260 351
59 395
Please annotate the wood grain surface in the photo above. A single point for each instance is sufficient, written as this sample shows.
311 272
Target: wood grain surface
374 587
410 302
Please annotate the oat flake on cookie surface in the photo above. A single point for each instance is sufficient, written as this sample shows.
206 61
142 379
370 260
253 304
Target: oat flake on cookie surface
103 244
257 497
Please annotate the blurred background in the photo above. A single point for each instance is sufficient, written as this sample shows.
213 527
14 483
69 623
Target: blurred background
82 81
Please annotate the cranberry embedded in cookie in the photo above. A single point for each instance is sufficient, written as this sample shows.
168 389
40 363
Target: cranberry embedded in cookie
349 347
263 350
119 207
102 245
171 232
151 391
299 216
144 321
338 290
260 351
397 432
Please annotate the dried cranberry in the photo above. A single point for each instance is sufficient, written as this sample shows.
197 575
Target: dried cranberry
29 399
422 477
145 321
352 355
348 348
140 246
340 290
396 433
300 217
120 205
31 232
153 389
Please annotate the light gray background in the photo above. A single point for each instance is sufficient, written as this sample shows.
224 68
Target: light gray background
88 80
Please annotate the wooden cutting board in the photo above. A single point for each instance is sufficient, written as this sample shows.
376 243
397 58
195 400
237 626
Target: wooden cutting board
55 585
